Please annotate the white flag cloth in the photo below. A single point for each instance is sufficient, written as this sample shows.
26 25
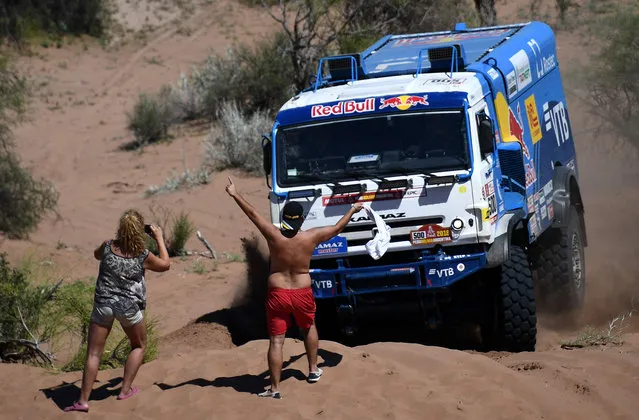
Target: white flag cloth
377 246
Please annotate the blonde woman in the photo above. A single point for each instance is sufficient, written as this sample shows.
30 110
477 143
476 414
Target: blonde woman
120 293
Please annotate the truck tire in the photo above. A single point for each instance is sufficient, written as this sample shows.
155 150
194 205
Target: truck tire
512 324
558 265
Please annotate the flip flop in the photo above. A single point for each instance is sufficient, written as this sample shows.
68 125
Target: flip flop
77 407
134 390
270 394
315 376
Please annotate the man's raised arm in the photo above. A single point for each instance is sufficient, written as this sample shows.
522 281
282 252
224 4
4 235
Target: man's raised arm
323 234
266 228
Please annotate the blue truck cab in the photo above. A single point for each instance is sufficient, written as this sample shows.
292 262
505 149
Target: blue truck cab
461 141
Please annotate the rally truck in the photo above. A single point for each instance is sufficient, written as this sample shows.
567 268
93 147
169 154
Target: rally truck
461 142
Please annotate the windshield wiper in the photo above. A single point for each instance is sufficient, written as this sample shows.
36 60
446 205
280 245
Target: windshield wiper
337 188
431 179
312 177
371 175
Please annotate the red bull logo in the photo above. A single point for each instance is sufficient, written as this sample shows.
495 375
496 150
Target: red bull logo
342 108
517 129
403 102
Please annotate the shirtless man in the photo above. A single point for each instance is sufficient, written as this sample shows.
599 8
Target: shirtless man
289 282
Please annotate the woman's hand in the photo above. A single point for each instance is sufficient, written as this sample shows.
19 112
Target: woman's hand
157 233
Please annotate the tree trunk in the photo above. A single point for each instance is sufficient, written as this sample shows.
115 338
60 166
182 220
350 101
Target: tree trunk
487 12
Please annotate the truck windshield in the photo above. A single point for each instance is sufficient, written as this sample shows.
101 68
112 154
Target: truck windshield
375 146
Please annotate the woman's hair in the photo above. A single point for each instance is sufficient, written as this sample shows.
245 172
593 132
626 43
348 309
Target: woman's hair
130 234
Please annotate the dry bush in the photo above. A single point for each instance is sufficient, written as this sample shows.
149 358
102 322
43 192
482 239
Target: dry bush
611 335
238 142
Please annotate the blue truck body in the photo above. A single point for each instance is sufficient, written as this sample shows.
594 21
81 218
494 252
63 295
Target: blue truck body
512 71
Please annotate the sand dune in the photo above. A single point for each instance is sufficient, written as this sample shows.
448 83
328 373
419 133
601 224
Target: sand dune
383 380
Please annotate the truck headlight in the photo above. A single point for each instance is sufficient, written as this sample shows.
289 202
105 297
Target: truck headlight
457 224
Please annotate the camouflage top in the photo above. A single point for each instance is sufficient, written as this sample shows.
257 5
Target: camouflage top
120 282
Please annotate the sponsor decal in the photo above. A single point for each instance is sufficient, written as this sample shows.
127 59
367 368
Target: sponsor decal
311 215
335 245
455 257
551 212
343 108
543 65
403 102
533 227
343 199
533 119
531 203
447 81
430 234
488 194
548 189
323 284
511 82
461 267
494 74
382 216
444 272
556 121
571 164
521 63
542 211
462 189
444 38
531 175
542 198
363 158
510 124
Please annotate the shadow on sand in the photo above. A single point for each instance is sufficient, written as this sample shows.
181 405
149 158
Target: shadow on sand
253 384
65 394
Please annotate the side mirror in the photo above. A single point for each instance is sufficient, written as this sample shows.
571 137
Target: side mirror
486 135
267 158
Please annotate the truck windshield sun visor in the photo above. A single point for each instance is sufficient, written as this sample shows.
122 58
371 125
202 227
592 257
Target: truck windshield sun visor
375 148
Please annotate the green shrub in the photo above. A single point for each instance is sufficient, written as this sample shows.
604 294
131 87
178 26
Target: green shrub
24 198
36 314
150 119
237 144
181 232
21 19
117 348
613 82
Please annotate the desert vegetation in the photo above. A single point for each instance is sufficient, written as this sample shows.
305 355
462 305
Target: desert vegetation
613 79
41 315
25 199
21 20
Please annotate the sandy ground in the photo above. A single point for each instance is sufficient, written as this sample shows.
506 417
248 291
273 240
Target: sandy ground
78 123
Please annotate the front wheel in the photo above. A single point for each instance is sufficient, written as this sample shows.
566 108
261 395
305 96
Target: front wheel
512 321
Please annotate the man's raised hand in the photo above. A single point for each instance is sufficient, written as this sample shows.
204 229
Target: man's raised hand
358 206
230 189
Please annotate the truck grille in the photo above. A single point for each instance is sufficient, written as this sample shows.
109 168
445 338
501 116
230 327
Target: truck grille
397 234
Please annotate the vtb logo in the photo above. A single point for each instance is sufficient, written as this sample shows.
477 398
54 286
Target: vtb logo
403 102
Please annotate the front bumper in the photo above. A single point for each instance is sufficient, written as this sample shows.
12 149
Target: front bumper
429 272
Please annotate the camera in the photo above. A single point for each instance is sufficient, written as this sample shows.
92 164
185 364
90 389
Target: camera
147 229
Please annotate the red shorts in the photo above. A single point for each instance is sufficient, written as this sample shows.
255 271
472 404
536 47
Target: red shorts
281 303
